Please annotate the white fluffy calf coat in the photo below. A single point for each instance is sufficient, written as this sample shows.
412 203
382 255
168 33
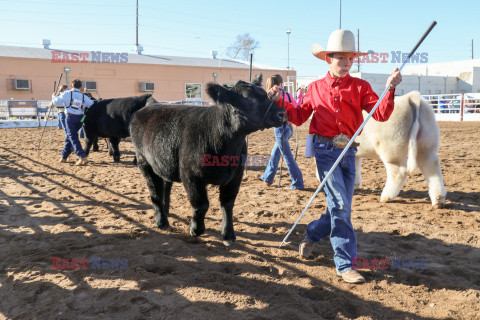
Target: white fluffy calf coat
410 138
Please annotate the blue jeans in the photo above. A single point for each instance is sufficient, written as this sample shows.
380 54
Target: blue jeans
336 222
72 143
272 166
63 125
81 133
61 120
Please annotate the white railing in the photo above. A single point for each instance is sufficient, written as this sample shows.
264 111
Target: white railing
447 107
31 113
455 107
193 102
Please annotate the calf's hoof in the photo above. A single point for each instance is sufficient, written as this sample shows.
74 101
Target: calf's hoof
439 203
196 229
228 243
229 240
385 199
163 224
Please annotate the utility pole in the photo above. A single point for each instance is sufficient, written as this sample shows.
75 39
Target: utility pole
358 49
340 23
251 66
288 57
136 43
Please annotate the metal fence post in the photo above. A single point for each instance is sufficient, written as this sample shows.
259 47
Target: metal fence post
461 107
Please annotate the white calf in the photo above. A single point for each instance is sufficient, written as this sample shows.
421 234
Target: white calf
409 138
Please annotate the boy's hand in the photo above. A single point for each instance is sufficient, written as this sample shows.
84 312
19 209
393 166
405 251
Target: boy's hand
394 79
274 93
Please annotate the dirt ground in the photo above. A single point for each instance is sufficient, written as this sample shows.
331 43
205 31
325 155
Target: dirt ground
51 211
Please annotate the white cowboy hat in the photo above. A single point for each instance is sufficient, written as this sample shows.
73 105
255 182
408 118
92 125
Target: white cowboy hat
339 41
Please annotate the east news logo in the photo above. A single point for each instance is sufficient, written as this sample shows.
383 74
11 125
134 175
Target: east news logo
82 57
396 57
95 263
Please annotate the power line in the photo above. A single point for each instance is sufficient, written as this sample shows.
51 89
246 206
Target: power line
82 4
73 44
78 13
63 22
216 18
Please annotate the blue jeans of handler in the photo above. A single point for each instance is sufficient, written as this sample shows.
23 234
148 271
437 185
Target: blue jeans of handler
272 166
61 121
336 222
72 143
62 125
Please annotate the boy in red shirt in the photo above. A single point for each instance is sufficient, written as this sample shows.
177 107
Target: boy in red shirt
337 102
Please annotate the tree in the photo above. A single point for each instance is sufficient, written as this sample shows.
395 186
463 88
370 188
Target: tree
242 47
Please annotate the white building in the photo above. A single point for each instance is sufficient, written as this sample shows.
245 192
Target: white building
424 84
432 78
428 78
467 73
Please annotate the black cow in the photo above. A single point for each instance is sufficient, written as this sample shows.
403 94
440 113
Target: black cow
110 118
199 146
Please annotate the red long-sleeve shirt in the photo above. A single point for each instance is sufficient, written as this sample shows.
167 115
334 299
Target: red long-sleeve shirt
337 105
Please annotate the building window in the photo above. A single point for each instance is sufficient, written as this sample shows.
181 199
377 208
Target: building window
147 86
288 87
89 85
21 84
193 91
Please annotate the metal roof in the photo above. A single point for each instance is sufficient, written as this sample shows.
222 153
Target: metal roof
47 54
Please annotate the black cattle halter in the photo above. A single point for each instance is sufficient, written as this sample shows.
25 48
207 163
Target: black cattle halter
268 109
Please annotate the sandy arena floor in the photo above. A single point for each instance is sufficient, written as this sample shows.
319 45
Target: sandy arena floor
103 211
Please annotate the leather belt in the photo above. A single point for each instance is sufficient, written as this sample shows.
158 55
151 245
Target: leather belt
339 141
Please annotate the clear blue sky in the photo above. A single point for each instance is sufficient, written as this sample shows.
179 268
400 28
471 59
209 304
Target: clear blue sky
194 28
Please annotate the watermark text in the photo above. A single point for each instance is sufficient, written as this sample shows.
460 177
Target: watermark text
97 263
392 57
211 160
92 56
387 263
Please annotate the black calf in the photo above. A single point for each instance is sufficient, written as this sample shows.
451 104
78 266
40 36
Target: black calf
111 119
174 143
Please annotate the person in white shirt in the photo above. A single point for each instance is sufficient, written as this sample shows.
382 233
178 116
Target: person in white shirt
76 103
61 109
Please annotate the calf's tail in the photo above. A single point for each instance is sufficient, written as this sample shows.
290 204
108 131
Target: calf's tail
414 100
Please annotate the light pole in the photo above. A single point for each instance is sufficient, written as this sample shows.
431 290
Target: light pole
340 16
288 56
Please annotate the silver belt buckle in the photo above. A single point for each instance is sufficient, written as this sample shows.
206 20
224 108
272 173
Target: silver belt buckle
340 141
